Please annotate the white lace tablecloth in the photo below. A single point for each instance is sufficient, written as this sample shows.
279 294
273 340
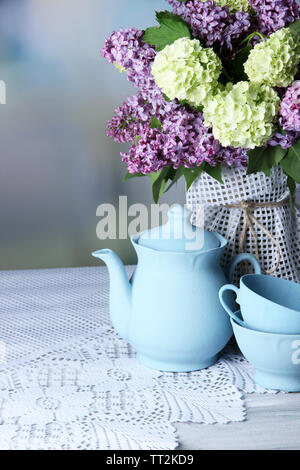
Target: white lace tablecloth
67 381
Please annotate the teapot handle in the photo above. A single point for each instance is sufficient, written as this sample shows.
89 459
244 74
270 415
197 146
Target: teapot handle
237 259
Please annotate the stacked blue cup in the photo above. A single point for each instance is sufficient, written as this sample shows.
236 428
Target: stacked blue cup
267 328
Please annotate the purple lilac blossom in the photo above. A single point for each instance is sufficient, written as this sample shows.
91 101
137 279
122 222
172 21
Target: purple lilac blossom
127 48
125 125
212 24
195 143
182 141
284 140
290 108
274 14
232 156
150 153
130 119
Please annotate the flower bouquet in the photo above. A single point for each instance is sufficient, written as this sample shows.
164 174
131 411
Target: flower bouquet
217 88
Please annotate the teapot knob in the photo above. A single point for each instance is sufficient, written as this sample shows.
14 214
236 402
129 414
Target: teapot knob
179 212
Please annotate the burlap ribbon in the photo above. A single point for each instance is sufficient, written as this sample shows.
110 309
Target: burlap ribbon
250 221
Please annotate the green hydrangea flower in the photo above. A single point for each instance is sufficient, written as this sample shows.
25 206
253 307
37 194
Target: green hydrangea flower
274 61
187 71
234 5
243 115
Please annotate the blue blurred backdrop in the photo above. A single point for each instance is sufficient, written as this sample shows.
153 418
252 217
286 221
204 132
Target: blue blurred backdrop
57 165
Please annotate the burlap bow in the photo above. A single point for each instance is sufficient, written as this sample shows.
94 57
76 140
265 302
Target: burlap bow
250 221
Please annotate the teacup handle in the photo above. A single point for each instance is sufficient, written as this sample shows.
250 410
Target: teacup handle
237 259
224 289
229 273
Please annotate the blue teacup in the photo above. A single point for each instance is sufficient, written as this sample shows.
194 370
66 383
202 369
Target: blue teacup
267 304
275 357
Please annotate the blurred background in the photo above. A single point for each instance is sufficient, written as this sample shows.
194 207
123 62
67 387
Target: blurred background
57 165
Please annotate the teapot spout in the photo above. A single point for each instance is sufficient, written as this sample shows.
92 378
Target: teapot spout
120 291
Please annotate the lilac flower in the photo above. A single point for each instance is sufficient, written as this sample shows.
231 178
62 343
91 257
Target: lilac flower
195 143
130 119
284 140
275 14
236 29
289 118
150 153
182 141
236 157
212 24
290 108
127 48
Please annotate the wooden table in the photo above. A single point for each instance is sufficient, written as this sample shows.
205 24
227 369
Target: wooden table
273 422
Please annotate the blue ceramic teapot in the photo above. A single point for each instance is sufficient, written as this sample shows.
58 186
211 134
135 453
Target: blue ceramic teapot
170 310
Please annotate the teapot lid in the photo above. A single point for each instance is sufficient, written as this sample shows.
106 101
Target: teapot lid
178 234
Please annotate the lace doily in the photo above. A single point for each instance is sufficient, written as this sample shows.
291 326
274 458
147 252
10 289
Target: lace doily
69 382
280 222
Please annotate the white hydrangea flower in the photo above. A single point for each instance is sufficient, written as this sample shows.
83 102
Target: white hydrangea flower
274 61
187 71
243 114
234 5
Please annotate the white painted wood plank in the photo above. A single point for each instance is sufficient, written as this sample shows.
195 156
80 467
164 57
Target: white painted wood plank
273 422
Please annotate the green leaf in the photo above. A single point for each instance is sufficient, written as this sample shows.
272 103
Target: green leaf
166 98
295 149
187 103
251 36
295 26
215 172
191 174
264 158
175 177
158 181
291 163
255 160
138 137
273 156
129 176
155 123
292 187
172 27
236 66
